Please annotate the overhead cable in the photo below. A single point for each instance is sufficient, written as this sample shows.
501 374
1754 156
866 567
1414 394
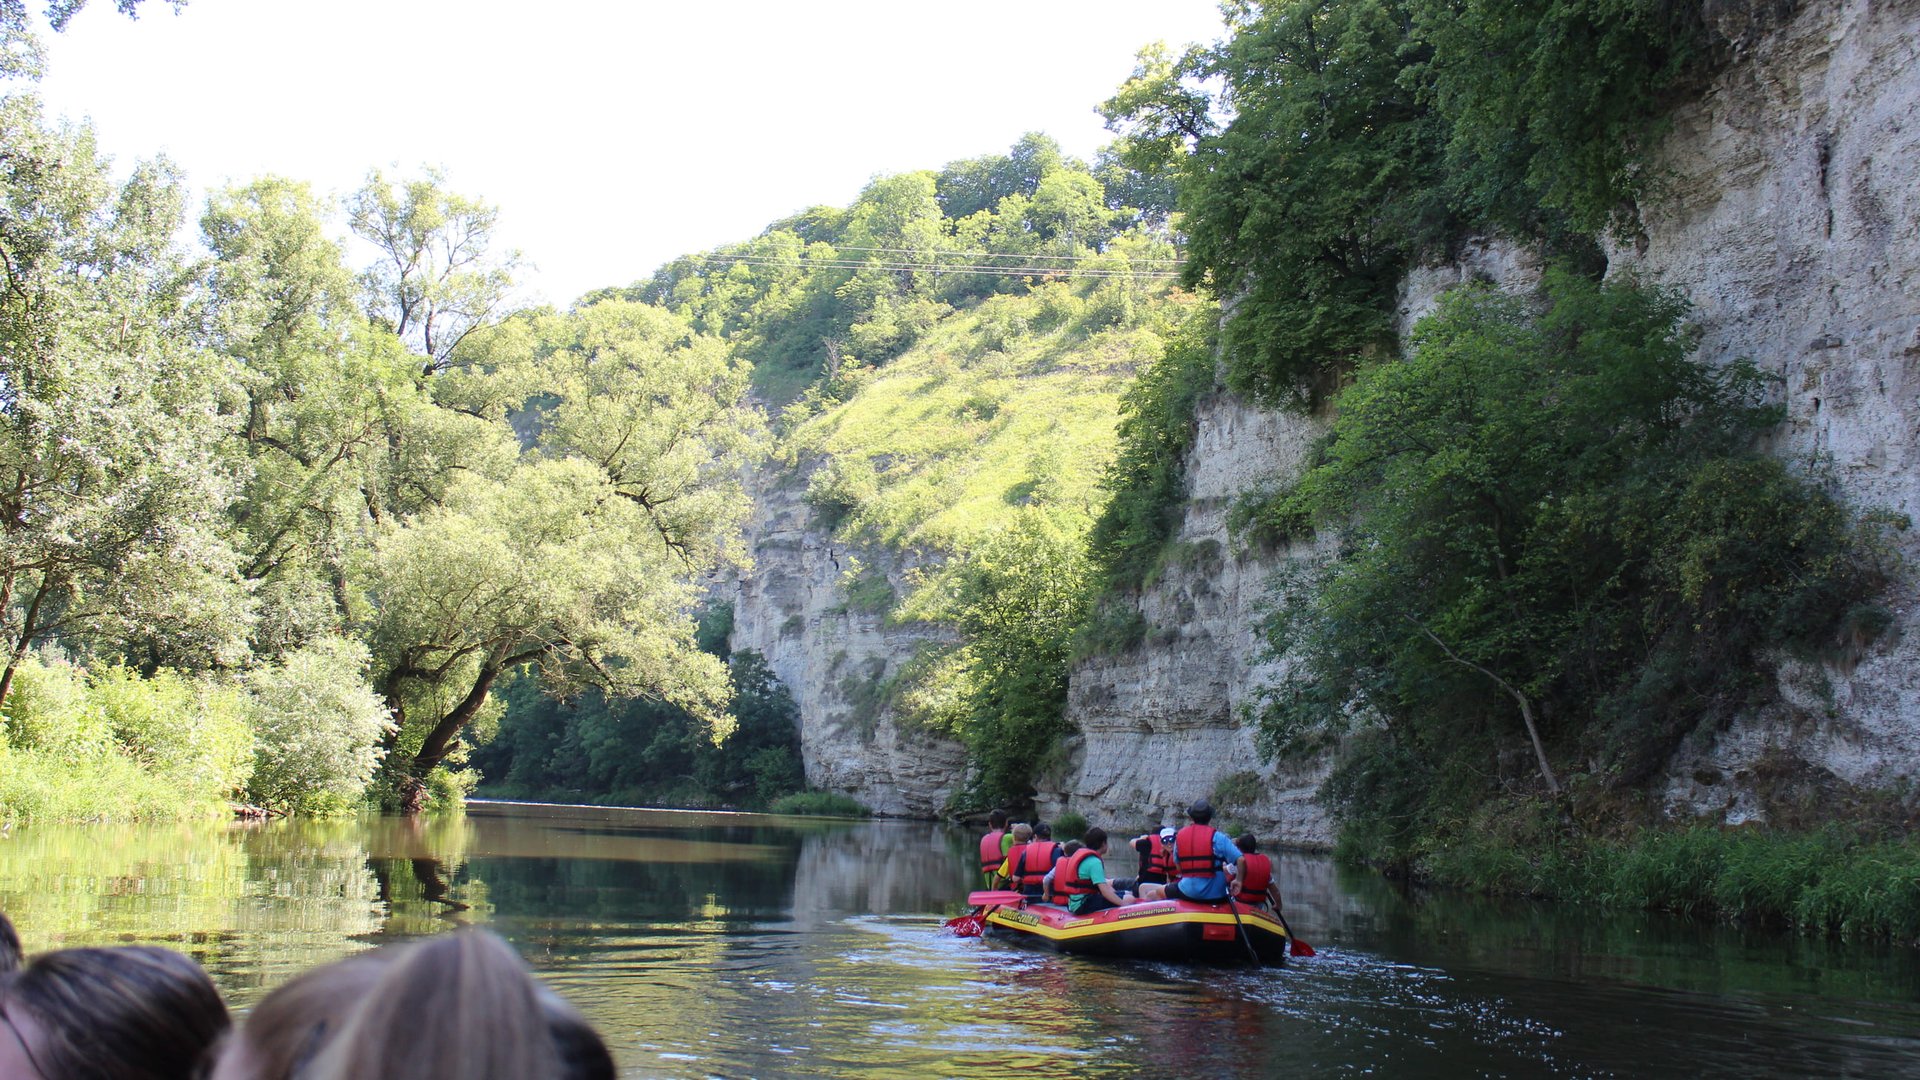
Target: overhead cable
939 267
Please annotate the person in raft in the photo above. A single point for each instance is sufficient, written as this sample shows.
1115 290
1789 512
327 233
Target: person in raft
1021 834
1082 879
1253 882
993 846
1155 849
1029 863
1202 854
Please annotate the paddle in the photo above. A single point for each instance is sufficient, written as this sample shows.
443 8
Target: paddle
1300 948
984 902
1244 939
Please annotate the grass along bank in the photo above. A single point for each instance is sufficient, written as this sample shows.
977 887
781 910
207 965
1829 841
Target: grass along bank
1847 880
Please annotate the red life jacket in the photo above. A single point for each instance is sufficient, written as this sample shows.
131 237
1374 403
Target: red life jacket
990 853
1013 857
1193 851
1067 882
1253 884
1159 860
1029 864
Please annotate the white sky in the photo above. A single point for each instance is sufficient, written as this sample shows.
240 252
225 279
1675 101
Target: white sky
612 135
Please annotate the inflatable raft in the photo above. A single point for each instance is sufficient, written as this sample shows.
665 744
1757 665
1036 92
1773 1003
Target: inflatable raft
1177 930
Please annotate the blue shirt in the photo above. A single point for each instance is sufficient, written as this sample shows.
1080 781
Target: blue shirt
1214 887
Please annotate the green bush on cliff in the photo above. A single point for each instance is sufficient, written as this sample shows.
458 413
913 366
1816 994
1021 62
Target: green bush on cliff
1334 144
1557 545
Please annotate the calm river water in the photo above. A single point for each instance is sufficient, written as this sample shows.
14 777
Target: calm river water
739 945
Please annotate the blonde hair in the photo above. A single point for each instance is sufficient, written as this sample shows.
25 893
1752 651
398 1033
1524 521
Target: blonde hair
1022 833
462 1006
291 1026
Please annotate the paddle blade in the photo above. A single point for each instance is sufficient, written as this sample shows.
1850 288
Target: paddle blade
966 925
993 898
1301 948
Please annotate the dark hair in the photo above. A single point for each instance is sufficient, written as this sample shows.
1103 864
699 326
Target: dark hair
10 954
1070 847
1247 844
583 1054
1095 838
1042 830
135 1012
1201 812
997 819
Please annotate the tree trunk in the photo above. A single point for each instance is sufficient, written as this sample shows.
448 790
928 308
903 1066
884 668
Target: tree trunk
440 740
25 639
1526 706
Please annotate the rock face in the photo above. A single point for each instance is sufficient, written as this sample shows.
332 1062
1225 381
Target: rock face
1161 723
835 659
1789 213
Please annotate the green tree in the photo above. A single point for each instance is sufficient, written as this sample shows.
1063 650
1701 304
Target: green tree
1311 232
1018 597
113 474
1551 105
583 558
436 277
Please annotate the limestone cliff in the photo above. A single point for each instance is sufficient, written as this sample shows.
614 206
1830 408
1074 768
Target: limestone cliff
1788 210
1160 723
834 658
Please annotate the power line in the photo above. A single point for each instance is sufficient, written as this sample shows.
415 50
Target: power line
941 268
1006 255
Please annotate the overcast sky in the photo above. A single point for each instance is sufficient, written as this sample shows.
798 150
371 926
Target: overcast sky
613 136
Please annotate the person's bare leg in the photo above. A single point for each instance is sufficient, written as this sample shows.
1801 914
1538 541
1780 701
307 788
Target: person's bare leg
1150 891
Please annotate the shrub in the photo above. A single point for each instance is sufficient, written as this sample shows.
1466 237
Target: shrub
1069 826
819 804
1558 542
317 729
112 746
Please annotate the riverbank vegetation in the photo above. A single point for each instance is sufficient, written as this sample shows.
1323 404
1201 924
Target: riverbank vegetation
1843 880
274 526
297 532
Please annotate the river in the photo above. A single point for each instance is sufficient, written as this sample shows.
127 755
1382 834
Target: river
706 944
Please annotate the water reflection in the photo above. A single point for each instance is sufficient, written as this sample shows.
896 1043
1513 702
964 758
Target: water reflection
723 944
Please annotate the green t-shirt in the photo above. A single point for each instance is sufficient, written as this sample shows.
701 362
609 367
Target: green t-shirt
1095 872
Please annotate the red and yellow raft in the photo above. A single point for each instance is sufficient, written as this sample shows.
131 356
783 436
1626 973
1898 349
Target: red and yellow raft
1177 930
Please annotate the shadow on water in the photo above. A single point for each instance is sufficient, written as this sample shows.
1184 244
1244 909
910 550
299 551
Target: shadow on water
726 944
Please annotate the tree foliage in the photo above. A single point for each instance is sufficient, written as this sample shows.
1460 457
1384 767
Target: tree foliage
1325 146
834 290
1145 484
270 472
113 472
1310 198
1018 597
647 751
1551 106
